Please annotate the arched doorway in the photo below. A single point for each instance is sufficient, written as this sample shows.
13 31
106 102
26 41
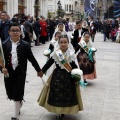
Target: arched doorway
21 6
1 6
37 8
110 12
2 3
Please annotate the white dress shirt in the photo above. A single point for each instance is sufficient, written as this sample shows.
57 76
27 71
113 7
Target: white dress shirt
79 33
14 58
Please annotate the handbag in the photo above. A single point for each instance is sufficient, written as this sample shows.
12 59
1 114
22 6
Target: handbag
34 36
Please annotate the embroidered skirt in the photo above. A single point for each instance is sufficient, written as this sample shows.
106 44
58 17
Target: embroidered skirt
88 67
62 96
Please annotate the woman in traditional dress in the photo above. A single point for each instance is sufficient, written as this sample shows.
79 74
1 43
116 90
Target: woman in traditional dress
54 40
60 28
62 95
85 27
86 57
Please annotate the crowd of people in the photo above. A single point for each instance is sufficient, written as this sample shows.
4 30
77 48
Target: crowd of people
61 93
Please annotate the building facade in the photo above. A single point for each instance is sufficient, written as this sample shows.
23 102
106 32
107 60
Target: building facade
73 9
104 9
17 6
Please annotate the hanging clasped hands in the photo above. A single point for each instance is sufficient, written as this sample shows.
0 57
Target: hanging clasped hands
40 74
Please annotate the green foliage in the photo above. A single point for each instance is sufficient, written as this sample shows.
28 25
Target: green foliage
60 13
49 15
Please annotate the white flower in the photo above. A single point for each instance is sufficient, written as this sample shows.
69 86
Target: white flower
77 71
93 49
47 52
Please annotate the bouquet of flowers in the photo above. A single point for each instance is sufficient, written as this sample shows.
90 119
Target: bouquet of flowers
76 74
47 52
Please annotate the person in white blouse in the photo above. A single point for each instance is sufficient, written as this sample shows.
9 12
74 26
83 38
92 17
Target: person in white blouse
16 54
22 22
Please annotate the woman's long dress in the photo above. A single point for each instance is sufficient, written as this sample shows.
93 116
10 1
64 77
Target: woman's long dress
62 96
88 67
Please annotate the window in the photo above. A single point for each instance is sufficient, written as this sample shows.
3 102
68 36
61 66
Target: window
69 8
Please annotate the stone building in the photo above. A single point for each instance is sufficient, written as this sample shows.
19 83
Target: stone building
17 6
72 8
104 9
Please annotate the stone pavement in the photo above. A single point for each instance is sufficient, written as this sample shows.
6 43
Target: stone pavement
101 98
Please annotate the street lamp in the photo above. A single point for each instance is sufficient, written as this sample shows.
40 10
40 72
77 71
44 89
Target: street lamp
59 7
36 6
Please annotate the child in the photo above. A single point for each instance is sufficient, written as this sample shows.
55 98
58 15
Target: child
52 44
16 54
54 40
78 33
85 26
60 28
62 95
85 57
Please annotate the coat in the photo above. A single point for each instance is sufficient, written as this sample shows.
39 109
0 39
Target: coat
76 36
15 83
4 30
43 28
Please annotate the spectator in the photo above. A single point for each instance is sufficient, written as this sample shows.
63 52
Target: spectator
92 31
37 29
118 35
105 30
66 26
4 26
113 34
15 18
51 27
43 34
29 31
23 30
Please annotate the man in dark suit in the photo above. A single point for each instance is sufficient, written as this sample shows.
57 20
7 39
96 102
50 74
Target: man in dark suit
16 54
77 34
29 31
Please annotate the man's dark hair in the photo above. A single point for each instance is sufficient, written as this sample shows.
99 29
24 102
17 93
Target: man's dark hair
22 21
79 22
37 19
15 15
4 12
14 24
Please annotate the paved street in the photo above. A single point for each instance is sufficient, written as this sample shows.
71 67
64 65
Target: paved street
101 98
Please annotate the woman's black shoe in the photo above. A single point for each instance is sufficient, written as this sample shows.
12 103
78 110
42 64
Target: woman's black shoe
14 118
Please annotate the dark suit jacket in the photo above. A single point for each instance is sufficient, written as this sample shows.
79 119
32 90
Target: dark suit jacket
76 35
24 53
15 83
75 41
